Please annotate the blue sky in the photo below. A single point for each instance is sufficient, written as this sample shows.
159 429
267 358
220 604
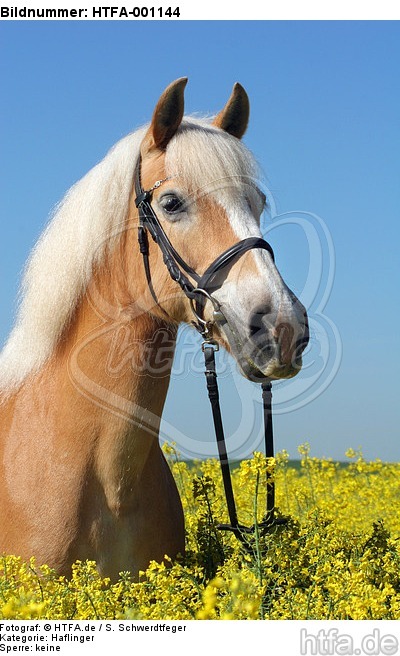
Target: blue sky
325 129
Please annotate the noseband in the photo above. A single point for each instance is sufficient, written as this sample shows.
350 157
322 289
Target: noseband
198 294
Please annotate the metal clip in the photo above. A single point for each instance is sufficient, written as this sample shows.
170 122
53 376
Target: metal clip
210 343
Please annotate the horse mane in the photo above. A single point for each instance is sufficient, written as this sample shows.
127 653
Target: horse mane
87 222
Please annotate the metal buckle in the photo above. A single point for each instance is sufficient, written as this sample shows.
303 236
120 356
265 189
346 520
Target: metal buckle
210 343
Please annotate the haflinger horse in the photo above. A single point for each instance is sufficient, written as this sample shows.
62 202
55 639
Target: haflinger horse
83 475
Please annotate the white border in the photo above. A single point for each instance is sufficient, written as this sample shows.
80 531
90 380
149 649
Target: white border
218 11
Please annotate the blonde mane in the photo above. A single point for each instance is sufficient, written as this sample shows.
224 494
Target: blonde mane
87 221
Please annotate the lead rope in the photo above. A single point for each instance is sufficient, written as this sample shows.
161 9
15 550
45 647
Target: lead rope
209 348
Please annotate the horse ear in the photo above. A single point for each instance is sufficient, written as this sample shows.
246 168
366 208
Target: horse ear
167 115
235 115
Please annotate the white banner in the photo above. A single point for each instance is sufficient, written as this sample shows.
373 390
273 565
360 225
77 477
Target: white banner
68 637
178 10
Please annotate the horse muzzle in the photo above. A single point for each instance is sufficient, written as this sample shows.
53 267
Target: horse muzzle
267 352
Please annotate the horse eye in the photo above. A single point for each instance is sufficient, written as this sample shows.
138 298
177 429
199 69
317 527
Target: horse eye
171 204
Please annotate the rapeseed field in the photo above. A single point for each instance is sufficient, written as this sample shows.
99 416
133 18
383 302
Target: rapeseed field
337 557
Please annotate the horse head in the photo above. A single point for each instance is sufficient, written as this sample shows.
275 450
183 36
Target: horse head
205 198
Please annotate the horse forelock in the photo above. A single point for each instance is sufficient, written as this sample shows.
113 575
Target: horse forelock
207 159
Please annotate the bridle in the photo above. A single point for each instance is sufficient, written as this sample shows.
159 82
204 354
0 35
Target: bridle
198 294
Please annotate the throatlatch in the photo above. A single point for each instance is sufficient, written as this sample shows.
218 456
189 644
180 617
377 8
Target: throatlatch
198 295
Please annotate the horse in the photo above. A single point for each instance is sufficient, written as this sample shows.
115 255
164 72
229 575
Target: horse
83 474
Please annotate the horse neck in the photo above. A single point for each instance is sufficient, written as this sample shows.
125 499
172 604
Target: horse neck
111 353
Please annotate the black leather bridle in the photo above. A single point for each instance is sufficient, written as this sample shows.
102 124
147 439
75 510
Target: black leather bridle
198 294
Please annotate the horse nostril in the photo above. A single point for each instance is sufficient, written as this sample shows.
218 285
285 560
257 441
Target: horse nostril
257 320
256 324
